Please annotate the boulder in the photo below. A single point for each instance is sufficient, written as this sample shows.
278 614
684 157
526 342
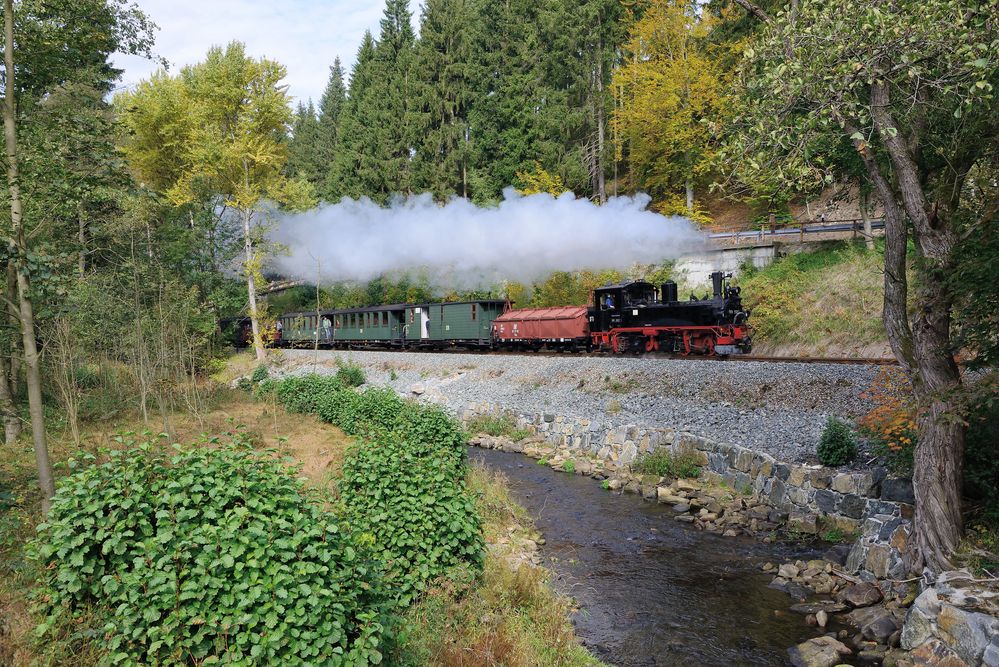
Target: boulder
418 389
898 490
934 653
860 595
803 522
824 606
818 652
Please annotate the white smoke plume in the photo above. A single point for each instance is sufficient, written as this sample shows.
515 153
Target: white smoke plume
463 245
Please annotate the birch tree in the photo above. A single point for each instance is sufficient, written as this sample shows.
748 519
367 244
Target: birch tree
216 134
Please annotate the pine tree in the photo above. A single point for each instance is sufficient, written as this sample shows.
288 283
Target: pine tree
331 106
303 154
442 91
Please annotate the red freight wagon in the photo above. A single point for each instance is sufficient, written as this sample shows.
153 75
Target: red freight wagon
565 326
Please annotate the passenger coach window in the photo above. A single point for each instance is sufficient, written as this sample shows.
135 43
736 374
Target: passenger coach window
475 307
384 319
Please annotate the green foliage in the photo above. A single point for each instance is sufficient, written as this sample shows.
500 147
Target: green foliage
569 466
260 373
502 424
351 375
981 458
213 553
834 535
664 463
837 445
403 484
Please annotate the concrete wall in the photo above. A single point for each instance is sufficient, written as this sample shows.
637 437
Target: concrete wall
697 268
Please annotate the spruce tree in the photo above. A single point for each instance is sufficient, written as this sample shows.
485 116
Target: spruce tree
520 112
331 106
355 171
302 147
391 105
441 92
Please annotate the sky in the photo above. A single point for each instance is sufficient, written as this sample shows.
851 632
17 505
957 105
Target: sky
303 35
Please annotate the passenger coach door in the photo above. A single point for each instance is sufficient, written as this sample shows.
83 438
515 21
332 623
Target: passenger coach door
424 323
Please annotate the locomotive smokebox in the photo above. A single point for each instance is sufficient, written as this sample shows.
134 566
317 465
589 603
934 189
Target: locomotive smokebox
669 291
717 279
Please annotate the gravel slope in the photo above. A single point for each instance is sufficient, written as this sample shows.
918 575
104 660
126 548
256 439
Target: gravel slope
778 408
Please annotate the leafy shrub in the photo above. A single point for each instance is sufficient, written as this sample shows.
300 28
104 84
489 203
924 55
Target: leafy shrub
663 463
214 366
260 373
569 466
214 554
981 461
406 487
403 485
303 393
837 445
87 376
351 375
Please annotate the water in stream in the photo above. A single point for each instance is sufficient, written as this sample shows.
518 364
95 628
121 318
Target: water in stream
653 591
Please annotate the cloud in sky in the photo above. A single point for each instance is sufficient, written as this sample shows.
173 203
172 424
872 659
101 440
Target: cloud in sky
303 35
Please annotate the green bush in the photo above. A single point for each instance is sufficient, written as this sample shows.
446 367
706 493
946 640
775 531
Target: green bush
403 485
663 463
303 393
351 375
837 445
406 488
260 373
498 425
214 554
981 461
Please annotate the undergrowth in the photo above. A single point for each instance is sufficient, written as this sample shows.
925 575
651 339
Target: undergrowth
663 463
500 424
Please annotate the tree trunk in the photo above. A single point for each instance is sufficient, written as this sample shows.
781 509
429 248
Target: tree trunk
865 201
251 286
939 456
82 259
690 194
601 181
11 420
26 314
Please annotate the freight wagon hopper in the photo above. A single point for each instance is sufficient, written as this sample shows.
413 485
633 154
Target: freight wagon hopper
563 327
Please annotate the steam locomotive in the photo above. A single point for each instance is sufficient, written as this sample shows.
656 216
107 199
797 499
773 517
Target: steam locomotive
627 318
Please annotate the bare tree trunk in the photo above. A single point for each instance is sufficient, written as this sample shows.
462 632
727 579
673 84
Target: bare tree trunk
82 259
865 199
8 409
601 181
251 287
25 311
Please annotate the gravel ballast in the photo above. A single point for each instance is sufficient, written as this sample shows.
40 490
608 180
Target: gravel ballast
774 407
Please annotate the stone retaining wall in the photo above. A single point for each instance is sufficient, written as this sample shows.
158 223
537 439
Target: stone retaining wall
858 502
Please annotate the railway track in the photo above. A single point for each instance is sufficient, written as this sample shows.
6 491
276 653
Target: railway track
855 361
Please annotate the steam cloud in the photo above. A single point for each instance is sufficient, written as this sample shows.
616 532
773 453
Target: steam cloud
460 244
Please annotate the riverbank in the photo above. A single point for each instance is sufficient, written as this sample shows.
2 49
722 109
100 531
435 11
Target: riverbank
507 615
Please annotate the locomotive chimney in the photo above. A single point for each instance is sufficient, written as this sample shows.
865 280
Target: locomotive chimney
669 291
717 279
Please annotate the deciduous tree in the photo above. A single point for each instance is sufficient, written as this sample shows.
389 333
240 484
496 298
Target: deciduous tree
912 85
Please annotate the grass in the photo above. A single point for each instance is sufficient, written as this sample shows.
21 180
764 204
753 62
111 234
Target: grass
824 302
497 425
510 616
613 407
664 463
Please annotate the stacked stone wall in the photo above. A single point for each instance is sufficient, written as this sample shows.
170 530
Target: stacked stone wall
863 502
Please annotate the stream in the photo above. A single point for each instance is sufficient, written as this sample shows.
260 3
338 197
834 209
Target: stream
653 591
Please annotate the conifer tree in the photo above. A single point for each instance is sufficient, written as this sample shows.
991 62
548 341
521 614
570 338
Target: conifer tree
390 102
331 106
354 171
303 148
441 91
